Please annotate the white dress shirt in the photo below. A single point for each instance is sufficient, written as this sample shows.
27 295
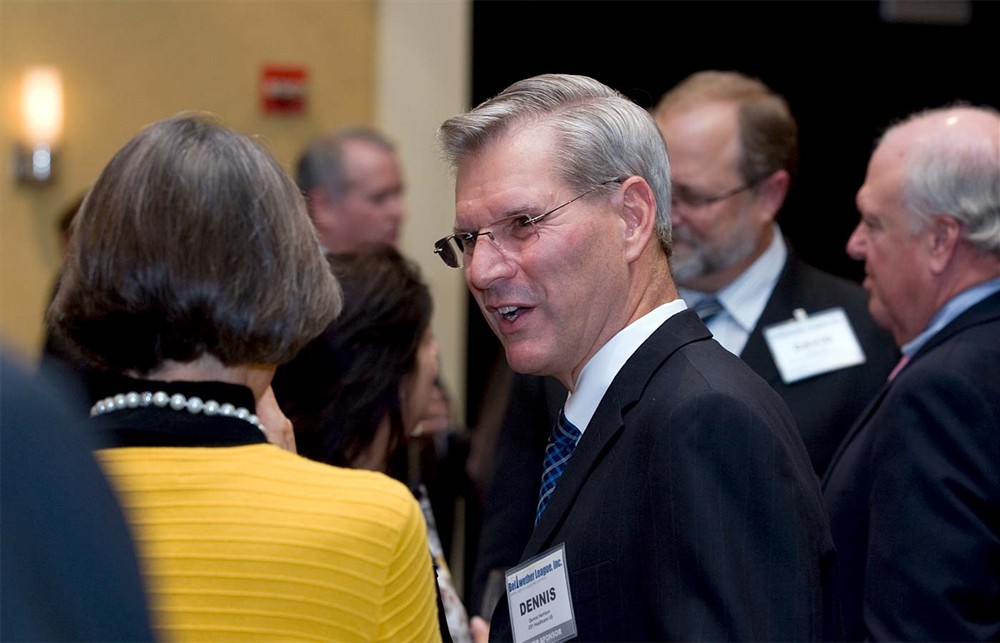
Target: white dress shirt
603 367
743 300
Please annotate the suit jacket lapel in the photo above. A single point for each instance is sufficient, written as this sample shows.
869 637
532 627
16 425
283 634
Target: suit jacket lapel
854 431
985 311
624 392
756 354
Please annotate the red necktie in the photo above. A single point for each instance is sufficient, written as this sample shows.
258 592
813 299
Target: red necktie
899 366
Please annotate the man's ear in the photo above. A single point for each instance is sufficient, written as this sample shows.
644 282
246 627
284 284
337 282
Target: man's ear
638 215
323 210
771 193
943 235
316 199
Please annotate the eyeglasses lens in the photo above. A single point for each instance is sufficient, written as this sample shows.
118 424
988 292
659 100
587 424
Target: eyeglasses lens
451 251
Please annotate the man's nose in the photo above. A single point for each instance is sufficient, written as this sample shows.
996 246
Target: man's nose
397 208
487 264
857 244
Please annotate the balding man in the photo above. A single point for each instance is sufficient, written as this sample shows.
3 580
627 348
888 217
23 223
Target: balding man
914 490
354 188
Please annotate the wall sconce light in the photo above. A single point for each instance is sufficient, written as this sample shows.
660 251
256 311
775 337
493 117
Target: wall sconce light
42 118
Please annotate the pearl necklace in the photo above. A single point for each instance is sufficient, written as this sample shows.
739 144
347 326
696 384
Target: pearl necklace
175 402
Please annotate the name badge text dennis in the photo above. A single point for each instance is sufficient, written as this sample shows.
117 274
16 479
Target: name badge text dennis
538 595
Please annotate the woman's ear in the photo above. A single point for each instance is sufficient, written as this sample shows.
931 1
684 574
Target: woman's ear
638 215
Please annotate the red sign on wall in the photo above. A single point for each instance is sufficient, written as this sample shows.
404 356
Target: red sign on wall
283 89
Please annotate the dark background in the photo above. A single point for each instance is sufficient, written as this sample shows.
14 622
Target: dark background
846 71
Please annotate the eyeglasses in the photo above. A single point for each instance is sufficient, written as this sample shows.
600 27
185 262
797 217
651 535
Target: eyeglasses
511 234
684 196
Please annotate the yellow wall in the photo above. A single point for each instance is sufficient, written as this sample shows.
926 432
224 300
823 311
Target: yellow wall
125 64
424 76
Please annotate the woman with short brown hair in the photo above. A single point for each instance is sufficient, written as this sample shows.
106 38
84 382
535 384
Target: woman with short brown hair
193 271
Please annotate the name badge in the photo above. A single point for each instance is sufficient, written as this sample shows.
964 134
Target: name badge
812 345
541 607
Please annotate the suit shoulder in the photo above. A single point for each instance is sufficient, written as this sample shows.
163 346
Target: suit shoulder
971 354
706 370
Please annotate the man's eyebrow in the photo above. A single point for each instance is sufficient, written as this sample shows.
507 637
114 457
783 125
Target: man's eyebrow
521 210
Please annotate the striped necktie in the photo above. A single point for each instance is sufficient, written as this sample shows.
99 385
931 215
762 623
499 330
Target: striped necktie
561 444
707 307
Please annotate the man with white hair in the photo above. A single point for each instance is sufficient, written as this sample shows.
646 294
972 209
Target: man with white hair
914 490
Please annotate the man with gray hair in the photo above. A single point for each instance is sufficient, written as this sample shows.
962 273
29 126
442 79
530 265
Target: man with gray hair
914 490
733 148
353 185
677 501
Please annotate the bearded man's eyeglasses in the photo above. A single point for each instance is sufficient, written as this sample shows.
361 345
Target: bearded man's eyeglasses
691 199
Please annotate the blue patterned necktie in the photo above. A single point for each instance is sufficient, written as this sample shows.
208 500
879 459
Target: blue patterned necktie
561 443
707 308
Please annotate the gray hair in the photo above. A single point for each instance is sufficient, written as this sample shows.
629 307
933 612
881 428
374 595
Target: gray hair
322 164
957 175
601 135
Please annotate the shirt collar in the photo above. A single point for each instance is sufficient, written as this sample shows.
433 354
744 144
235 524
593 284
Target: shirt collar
741 298
603 367
952 309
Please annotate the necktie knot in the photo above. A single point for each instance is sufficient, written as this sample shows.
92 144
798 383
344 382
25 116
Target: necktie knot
564 433
561 444
707 307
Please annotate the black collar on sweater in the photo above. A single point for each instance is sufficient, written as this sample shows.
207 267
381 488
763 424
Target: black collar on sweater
153 426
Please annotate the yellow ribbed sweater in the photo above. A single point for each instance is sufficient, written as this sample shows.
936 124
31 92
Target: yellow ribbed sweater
252 543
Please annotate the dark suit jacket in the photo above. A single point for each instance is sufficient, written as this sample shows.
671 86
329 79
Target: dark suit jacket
509 508
689 509
824 406
70 571
914 493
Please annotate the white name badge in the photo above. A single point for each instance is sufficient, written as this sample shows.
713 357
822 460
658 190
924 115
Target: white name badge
541 607
812 345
